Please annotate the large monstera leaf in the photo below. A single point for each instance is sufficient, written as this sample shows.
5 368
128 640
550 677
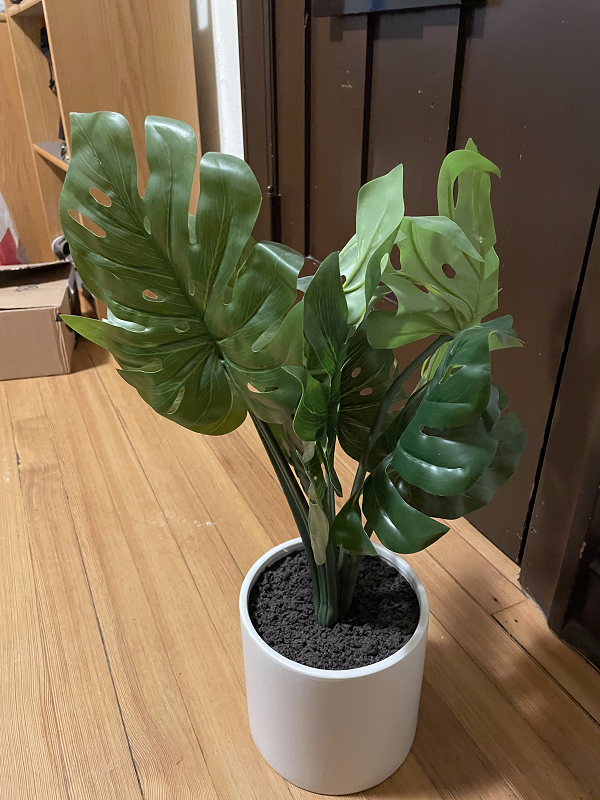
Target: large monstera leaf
198 316
447 446
401 514
446 453
448 279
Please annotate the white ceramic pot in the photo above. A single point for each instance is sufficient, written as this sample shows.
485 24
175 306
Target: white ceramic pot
333 731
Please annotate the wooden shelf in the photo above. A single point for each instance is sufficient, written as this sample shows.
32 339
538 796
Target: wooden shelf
51 152
94 67
27 8
41 105
18 175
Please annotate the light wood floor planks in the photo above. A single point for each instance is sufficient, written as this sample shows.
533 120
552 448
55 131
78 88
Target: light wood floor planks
124 543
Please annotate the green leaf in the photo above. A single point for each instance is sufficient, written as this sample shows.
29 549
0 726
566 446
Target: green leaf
444 226
196 316
400 527
304 283
366 377
421 313
310 417
446 448
511 439
379 212
473 210
325 332
327 460
318 527
326 316
347 531
447 462
430 366
448 279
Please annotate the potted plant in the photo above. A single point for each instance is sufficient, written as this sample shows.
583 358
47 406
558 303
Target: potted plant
205 324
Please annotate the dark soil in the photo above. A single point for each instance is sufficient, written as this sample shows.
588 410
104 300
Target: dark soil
383 616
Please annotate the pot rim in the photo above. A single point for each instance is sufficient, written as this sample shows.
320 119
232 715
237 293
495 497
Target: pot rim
335 674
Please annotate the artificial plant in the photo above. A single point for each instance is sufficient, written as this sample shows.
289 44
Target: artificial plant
204 323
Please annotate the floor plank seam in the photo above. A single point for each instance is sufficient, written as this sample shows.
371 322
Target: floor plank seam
95 610
277 486
549 674
39 615
508 608
215 525
105 649
489 755
466 590
436 777
197 588
514 581
44 654
491 563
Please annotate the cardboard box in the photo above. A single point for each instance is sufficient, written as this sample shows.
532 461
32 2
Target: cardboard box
33 339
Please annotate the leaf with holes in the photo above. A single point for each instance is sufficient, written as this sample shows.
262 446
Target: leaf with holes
366 377
448 279
446 447
198 309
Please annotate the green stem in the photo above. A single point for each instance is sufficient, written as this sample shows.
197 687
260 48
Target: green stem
349 565
294 496
327 612
301 475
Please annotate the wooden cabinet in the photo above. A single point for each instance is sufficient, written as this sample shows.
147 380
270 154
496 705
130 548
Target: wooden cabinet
133 57
18 174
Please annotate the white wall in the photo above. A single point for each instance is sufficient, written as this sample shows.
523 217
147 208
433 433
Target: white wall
216 55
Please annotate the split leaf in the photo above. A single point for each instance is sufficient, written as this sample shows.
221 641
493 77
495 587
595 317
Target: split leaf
400 527
196 309
448 279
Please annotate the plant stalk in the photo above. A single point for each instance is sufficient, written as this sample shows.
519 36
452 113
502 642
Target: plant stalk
295 498
348 567
328 612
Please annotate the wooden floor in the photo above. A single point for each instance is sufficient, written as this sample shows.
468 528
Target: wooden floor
124 542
